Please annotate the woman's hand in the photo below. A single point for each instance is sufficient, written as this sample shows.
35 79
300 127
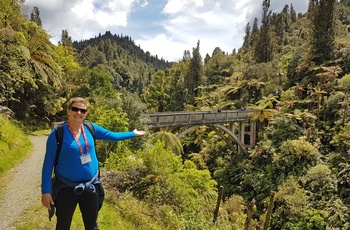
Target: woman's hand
46 200
139 133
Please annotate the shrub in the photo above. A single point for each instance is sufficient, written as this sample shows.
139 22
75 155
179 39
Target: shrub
14 144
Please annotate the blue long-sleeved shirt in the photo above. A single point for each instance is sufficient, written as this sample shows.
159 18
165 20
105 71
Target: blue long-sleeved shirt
69 164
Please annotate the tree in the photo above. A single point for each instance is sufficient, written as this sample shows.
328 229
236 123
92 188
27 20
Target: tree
217 50
280 27
219 68
35 16
207 58
293 14
247 37
66 40
106 113
323 30
100 83
157 93
178 90
187 55
264 109
263 48
193 77
30 83
291 200
90 57
255 33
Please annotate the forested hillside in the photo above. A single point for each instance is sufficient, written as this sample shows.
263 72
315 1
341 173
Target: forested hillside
293 69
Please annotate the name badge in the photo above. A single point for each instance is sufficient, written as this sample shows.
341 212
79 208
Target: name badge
85 158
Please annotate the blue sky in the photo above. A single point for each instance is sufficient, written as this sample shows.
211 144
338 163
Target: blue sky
163 27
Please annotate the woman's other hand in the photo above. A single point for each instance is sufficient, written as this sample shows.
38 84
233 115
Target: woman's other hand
46 200
139 133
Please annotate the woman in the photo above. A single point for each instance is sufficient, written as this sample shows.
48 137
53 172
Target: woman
76 169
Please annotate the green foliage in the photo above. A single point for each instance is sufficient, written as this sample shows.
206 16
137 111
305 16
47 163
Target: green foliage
160 161
310 219
291 200
166 186
341 139
35 16
139 213
128 65
264 47
65 60
318 177
279 131
233 210
155 162
100 83
134 108
178 91
14 144
157 93
296 156
320 184
219 68
112 118
194 77
66 40
323 30
170 140
13 77
345 83
91 57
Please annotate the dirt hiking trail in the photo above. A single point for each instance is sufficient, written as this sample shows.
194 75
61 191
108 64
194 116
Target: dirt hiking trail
21 185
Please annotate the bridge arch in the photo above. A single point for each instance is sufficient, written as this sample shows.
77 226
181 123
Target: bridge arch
218 128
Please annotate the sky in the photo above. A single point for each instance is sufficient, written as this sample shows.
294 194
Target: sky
165 28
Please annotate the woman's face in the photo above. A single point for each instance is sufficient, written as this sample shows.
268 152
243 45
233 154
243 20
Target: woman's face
77 112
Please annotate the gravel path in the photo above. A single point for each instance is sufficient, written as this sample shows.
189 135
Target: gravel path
22 185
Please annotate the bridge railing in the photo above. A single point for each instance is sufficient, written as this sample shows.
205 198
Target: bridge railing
197 117
162 119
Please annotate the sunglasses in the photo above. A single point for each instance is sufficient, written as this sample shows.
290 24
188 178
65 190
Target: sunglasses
76 109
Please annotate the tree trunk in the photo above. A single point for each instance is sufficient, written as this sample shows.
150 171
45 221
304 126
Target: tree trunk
216 212
249 215
269 211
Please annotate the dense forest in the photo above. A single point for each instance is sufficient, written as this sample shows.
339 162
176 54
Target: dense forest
293 70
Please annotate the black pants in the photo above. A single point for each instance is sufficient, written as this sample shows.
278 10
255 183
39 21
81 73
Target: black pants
66 203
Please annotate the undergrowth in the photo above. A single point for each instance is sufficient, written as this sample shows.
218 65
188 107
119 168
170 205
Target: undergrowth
36 217
14 144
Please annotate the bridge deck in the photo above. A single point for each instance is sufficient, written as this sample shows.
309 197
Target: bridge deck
162 119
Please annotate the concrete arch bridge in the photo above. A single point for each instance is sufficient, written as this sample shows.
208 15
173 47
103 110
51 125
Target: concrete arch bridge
236 123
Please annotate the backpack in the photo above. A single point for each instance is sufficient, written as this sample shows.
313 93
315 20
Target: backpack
59 137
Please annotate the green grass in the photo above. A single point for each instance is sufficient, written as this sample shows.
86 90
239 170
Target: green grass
14 145
36 217
41 132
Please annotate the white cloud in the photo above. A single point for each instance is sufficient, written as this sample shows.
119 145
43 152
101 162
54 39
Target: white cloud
175 28
219 23
46 5
181 6
214 23
163 46
144 3
106 14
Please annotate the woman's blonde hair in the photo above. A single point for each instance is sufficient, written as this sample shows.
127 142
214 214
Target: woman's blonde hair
77 99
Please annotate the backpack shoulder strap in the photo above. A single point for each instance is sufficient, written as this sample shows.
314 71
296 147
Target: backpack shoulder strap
59 139
91 129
